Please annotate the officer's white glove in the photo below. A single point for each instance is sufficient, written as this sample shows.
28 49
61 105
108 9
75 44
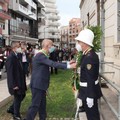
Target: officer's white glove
90 102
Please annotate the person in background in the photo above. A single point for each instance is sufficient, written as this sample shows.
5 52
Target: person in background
60 55
15 80
25 59
36 50
90 90
40 79
1 61
54 57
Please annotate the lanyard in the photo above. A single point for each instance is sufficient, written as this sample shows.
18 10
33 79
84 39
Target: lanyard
44 52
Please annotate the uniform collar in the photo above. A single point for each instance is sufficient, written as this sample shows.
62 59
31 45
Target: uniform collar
86 51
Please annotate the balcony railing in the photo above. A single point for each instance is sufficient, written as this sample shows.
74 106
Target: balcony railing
50 5
53 17
25 11
50 10
4 15
50 1
53 24
6 1
31 3
41 3
3 1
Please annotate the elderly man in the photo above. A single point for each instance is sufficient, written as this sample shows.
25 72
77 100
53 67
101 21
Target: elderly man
90 90
16 80
40 79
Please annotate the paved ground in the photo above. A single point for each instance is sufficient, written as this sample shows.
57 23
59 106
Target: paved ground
105 110
4 94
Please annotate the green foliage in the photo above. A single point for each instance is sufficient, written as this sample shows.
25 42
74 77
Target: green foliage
97 39
60 100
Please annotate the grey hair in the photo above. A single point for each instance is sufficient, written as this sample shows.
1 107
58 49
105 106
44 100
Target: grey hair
46 42
14 44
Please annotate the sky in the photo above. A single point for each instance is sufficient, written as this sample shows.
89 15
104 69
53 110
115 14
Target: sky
68 9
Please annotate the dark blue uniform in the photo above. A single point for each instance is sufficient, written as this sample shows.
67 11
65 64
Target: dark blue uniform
39 84
89 85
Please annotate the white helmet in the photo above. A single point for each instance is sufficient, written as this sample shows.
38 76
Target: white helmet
86 36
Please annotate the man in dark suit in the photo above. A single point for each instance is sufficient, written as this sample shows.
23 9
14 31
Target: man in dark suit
90 90
40 79
54 57
15 80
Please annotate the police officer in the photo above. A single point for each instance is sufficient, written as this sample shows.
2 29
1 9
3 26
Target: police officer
90 90
40 79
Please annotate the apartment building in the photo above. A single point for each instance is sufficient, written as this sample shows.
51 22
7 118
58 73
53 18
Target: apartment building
107 14
50 28
22 26
74 29
4 17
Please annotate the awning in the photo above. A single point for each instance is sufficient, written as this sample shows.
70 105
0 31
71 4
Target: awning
23 39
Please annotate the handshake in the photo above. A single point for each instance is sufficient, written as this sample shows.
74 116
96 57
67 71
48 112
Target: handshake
72 64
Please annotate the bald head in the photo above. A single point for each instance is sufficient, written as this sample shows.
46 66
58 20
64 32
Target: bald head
46 43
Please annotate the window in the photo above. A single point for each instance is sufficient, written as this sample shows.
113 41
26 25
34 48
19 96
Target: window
3 26
88 16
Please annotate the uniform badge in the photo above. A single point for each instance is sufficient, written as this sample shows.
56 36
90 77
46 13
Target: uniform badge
89 66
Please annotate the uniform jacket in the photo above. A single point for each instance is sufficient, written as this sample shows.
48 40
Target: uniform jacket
40 72
89 73
15 74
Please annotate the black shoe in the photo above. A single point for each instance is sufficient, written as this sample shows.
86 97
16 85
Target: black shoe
81 109
10 111
17 118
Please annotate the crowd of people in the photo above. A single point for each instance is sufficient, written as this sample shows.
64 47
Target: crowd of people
28 52
23 60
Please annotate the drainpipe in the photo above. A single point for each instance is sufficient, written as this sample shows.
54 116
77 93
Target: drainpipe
103 35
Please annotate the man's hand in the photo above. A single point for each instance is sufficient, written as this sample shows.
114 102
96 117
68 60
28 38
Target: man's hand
16 88
73 65
72 61
90 102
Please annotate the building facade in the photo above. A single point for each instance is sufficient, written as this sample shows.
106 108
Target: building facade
64 33
74 29
22 26
50 28
4 17
105 13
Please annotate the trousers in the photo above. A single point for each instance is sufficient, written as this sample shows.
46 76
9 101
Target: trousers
38 105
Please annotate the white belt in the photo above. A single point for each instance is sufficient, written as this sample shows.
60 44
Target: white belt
84 84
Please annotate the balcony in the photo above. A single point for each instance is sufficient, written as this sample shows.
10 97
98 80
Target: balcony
4 15
4 1
56 24
7 1
41 3
31 3
50 5
25 12
51 10
50 1
53 17
48 30
52 30
41 14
